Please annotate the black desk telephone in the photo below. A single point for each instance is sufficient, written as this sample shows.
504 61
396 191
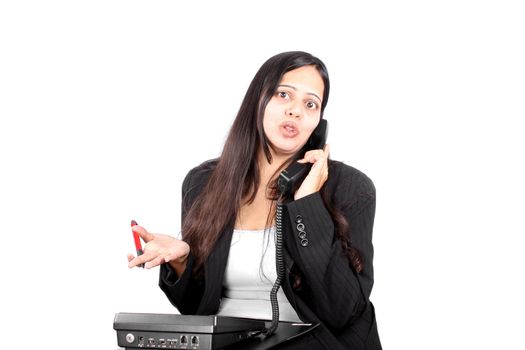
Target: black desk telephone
291 178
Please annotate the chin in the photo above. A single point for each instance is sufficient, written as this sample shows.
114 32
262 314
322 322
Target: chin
286 147
285 151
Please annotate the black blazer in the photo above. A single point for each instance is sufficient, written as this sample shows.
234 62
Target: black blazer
320 283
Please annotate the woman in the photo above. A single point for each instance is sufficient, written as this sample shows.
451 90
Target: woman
225 262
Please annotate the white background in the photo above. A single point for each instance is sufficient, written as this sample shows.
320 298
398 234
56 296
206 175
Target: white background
105 105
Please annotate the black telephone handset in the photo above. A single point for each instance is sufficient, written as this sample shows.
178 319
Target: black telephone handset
291 178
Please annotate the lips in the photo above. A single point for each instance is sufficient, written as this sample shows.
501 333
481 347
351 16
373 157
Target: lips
289 129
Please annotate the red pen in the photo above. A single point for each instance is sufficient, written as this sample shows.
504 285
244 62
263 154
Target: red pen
136 237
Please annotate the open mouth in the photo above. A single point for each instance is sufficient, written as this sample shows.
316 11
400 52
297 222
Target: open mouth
289 129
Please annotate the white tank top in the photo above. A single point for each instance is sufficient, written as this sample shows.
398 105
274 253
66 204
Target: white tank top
248 282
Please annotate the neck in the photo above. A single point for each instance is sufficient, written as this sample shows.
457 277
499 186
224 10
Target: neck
266 169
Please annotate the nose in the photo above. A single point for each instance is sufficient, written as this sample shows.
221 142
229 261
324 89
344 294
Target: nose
293 110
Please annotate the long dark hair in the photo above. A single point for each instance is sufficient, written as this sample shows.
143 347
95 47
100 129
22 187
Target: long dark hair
236 175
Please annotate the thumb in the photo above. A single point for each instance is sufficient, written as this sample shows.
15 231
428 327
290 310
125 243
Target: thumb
141 231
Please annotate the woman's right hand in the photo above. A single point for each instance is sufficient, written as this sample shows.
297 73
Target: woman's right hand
160 249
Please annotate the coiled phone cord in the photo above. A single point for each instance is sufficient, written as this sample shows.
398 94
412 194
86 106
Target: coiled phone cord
279 266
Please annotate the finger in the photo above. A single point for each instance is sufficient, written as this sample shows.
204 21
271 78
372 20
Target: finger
155 262
130 257
327 154
170 257
315 157
140 260
145 235
318 167
326 150
312 156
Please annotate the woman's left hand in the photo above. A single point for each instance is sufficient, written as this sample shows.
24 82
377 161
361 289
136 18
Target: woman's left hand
318 173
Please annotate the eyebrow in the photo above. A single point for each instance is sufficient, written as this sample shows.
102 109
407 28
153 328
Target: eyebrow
294 88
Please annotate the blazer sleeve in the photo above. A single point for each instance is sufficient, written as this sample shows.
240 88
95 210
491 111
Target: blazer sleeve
184 292
330 285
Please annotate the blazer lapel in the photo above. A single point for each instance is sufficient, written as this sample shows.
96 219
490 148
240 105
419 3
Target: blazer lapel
215 267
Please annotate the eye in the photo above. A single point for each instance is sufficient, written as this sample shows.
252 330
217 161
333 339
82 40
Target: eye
311 105
283 94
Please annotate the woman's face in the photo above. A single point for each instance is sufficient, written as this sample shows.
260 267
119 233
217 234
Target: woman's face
294 110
